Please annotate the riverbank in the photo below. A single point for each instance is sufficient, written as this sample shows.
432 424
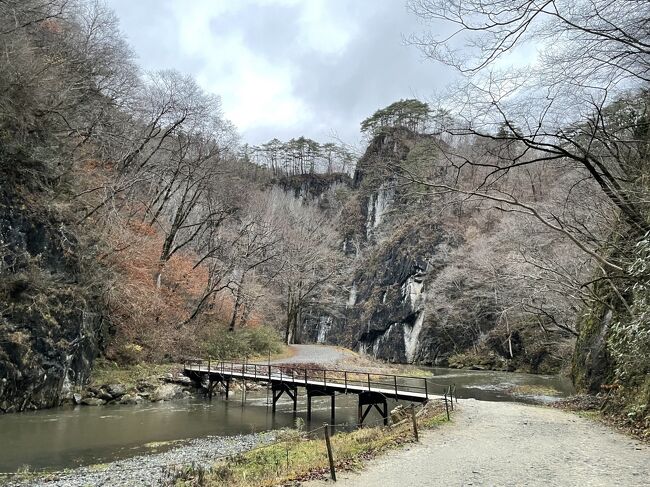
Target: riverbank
145 470
80 436
299 456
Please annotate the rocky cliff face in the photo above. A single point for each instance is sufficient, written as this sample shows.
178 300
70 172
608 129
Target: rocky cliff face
50 325
408 297
314 187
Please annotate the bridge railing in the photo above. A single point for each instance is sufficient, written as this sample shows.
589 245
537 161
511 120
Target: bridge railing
315 376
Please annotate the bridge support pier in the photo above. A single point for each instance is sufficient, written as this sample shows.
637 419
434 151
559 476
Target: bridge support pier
277 389
319 392
213 382
372 400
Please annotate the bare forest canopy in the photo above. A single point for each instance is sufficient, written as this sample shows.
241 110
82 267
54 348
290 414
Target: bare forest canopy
505 221
303 156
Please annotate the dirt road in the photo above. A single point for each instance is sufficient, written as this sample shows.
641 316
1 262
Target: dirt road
509 444
315 354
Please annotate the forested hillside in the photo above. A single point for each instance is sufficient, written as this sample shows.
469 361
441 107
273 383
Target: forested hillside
134 224
503 226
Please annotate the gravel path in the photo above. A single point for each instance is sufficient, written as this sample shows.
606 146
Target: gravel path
148 470
509 444
314 354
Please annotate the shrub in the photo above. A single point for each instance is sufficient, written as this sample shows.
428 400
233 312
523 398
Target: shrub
223 344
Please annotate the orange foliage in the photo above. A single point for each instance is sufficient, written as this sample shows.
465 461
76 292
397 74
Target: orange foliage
155 318
150 323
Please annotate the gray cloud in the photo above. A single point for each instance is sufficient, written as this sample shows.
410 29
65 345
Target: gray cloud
286 68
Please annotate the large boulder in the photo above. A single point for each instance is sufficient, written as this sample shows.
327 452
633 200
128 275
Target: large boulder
166 392
131 399
92 401
116 390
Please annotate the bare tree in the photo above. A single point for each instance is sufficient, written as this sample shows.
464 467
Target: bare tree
306 258
570 108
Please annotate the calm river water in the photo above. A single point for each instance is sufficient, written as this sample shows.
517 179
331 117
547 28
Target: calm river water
74 436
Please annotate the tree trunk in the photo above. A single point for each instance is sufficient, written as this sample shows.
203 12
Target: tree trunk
238 302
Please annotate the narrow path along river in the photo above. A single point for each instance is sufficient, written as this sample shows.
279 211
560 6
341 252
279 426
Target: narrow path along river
509 444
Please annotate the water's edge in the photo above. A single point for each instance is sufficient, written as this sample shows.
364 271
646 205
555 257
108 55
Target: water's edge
72 437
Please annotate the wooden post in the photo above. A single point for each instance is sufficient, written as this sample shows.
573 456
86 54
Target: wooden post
360 414
395 380
274 400
330 454
243 391
333 406
446 406
426 391
346 381
268 388
324 377
415 423
368 382
308 405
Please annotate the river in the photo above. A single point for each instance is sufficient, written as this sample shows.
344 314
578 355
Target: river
74 436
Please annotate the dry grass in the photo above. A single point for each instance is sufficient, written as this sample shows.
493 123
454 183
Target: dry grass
299 457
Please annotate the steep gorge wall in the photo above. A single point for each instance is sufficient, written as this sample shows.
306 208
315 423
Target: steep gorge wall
409 298
51 325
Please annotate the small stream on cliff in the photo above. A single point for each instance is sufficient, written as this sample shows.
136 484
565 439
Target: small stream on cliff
73 436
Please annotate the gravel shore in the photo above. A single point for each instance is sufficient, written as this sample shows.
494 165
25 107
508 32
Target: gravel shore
150 469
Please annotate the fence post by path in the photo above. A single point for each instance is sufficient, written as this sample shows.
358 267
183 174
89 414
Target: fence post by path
415 423
447 405
330 455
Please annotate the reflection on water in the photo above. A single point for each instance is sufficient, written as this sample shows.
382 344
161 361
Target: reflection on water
488 385
67 437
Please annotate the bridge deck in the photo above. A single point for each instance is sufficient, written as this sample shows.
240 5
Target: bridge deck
415 389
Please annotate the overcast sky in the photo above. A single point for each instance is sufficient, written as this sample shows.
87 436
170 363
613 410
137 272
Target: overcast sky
286 68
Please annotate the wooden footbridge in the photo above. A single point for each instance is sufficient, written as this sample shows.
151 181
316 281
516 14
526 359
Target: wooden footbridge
373 389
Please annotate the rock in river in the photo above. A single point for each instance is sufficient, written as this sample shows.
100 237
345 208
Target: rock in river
166 392
93 401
